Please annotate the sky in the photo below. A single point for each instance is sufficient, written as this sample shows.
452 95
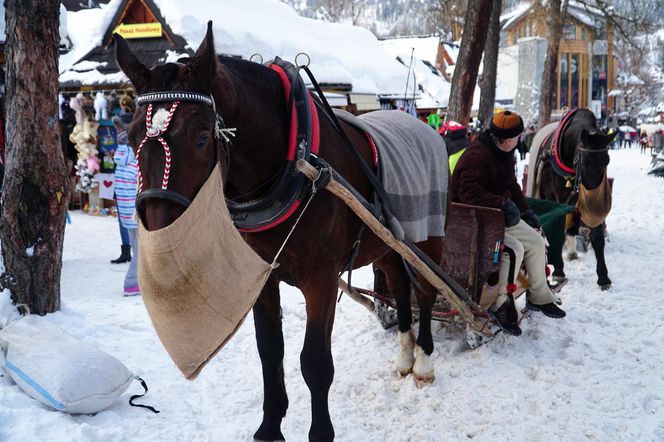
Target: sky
594 375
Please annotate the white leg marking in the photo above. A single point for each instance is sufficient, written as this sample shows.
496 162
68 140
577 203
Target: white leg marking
570 242
406 358
423 370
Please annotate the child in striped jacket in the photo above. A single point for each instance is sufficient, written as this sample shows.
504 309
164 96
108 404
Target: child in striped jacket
126 183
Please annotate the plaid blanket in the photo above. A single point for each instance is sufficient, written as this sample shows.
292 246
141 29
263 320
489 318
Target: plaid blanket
413 169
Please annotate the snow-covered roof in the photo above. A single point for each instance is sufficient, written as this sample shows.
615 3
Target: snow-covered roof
435 90
580 12
340 54
86 29
425 48
514 14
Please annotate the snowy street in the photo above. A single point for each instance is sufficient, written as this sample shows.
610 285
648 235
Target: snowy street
594 375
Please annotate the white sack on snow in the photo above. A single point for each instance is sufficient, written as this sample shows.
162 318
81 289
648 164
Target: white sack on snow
58 370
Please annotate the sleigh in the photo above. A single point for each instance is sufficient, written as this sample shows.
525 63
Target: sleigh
471 261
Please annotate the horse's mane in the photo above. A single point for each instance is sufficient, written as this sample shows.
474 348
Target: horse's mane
585 118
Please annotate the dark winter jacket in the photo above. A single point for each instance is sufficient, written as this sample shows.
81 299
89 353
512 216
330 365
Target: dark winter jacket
484 176
66 128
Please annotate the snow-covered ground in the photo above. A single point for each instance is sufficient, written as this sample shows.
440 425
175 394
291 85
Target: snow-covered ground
595 375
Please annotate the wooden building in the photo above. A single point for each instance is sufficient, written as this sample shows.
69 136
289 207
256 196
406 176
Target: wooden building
586 68
148 35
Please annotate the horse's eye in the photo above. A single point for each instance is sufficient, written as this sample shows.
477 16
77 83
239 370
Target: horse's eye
202 141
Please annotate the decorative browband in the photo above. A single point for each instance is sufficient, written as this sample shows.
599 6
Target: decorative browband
161 97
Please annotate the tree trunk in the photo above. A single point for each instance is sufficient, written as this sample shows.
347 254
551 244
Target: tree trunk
478 15
490 69
556 14
34 200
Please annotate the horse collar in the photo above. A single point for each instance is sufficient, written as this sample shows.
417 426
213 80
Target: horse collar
290 187
559 166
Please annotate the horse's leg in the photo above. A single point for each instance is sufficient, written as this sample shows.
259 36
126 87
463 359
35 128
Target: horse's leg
320 291
597 241
570 244
270 340
423 370
399 286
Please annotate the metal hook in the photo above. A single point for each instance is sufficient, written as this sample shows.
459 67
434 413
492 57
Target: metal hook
258 56
301 64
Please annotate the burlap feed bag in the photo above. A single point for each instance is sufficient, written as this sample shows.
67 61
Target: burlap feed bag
594 205
198 279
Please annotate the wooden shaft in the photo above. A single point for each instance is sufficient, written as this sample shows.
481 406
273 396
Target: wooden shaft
356 296
402 249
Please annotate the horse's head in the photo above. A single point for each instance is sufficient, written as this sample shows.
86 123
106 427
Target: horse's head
592 157
174 130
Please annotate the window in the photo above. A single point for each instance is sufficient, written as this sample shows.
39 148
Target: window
564 83
574 80
569 31
600 32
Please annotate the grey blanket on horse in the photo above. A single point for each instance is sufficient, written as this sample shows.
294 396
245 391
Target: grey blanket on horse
413 162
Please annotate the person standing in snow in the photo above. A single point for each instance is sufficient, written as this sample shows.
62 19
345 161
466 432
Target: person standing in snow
485 176
125 247
628 139
126 184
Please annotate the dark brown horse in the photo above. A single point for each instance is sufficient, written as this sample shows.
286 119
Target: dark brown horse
250 98
580 159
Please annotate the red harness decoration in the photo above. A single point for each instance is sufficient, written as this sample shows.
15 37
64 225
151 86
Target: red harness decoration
556 141
156 133
292 146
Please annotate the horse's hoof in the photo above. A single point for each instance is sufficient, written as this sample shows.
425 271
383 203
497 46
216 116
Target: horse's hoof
604 287
423 380
558 278
404 373
572 256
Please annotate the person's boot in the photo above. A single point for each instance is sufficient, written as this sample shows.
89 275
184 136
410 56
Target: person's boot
507 317
125 256
551 309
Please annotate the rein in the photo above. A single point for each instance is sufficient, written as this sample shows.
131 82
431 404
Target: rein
571 175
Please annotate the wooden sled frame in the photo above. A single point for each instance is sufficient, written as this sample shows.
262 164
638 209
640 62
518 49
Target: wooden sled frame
462 307
470 256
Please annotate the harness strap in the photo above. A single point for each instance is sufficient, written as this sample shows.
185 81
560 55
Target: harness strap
391 220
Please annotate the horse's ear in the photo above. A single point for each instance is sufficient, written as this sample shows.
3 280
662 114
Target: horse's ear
585 137
204 62
138 74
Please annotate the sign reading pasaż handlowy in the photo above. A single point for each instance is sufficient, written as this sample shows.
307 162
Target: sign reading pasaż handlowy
139 30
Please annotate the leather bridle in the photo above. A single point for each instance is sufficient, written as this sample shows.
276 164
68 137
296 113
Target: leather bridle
156 134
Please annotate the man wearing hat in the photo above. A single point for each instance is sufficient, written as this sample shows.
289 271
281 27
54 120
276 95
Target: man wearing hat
485 176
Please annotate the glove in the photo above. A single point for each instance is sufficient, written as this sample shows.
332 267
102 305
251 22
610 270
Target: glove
531 219
512 213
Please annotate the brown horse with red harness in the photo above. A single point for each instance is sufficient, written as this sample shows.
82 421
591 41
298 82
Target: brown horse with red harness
570 166
203 98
